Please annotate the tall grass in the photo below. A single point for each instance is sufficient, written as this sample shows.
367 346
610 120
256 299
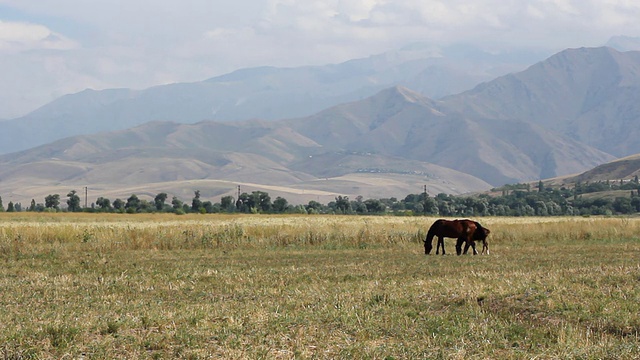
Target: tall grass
315 287
28 234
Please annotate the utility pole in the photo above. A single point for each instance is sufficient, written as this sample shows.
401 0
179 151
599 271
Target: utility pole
238 202
86 193
425 199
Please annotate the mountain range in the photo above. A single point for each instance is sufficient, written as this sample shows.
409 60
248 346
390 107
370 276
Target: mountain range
266 93
564 115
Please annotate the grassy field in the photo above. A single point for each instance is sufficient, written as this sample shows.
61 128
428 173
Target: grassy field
305 287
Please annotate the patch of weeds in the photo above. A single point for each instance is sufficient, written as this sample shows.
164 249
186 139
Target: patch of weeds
206 240
189 235
61 336
379 299
620 329
155 343
15 353
517 334
147 323
112 328
329 246
86 236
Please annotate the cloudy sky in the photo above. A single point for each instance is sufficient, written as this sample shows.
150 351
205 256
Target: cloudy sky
51 48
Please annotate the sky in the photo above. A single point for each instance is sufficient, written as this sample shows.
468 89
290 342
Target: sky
52 48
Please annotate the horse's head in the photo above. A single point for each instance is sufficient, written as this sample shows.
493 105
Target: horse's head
427 247
481 233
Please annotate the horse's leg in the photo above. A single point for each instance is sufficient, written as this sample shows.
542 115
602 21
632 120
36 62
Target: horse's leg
471 243
485 246
440 244
459 245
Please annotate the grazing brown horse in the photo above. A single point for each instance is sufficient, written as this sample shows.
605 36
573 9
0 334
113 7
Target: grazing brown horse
466 231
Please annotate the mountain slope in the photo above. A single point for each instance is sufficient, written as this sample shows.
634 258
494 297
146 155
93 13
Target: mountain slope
626 168
216 157
586 94
399 122
398 137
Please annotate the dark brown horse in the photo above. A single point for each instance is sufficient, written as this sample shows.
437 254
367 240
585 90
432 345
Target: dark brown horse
466 231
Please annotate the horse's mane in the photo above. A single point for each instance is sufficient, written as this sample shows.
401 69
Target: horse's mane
479 230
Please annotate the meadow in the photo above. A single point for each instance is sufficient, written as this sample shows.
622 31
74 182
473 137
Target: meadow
314 287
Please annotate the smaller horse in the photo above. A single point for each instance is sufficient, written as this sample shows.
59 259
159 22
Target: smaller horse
466 231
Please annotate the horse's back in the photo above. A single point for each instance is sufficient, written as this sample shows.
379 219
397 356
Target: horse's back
451 228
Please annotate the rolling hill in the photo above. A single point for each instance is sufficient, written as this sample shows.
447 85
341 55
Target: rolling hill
215 158
626 168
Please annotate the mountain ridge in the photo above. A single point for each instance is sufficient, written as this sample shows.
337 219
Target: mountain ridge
268 93
564 115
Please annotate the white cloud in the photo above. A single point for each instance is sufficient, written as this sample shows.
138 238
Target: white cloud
139 43
18 36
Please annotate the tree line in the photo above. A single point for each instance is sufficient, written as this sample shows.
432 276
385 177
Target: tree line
509 200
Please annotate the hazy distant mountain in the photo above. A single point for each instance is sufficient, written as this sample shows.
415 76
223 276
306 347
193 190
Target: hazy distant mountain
588 94
260 93
567 114
395 141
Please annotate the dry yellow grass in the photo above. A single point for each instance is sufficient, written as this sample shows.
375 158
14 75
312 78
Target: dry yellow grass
281 287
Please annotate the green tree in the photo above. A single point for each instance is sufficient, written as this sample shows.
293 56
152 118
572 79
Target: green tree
208 207
313 207
261 201
73 203
103 203
133 204
358 206
227 203
33 205
280 205
10 207
52 201
176 204
146 206
196 203
623 205
342 204
1 206
159 201
118 204
257 201
374 206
